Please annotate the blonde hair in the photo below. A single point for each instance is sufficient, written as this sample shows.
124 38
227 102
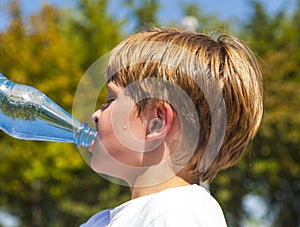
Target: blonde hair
182 58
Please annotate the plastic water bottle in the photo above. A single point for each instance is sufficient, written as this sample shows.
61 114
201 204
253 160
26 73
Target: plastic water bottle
26 113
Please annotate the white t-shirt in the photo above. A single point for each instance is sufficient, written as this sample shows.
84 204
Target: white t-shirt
183 206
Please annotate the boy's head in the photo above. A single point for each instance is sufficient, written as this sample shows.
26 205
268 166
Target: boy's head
214 86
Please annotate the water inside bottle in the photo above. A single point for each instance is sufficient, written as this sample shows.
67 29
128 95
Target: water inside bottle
26 113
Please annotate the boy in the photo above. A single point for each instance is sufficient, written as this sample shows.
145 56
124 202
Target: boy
181 107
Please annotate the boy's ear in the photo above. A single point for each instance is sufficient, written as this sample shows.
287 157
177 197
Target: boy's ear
160 121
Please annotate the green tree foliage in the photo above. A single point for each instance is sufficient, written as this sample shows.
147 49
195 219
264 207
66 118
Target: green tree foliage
207 23
272 170
144 12
45 184
92 30
279 141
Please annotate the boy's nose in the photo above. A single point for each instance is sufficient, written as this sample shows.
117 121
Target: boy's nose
96 116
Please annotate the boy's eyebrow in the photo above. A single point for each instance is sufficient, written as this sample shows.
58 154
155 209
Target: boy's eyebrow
109 80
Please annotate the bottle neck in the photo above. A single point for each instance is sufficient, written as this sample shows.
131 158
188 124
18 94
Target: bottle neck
85 136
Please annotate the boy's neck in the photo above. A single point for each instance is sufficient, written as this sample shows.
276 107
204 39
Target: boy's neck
173 182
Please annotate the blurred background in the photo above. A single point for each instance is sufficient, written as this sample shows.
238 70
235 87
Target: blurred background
50 44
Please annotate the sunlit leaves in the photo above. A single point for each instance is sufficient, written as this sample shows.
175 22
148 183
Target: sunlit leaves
44 184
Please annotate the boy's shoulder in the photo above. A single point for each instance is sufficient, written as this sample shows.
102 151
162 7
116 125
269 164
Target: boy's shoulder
184 197
171 207
193 202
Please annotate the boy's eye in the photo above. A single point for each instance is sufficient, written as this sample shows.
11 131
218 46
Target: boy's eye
106 104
